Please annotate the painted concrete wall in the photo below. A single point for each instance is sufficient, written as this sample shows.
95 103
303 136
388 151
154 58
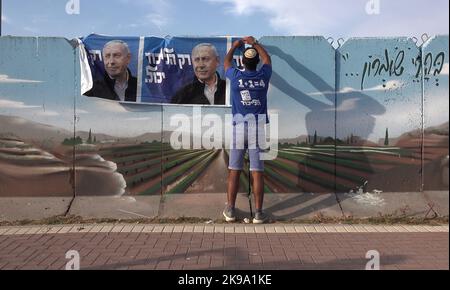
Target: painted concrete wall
436 102
38 84
371 115
378 93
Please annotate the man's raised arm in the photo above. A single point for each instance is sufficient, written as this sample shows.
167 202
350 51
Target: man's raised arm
228 62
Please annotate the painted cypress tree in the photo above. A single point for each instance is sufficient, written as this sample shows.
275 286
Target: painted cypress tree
89 139
386 139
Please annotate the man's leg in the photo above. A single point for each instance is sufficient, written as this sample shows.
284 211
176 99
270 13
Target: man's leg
233 187
257 169
258 189
235 167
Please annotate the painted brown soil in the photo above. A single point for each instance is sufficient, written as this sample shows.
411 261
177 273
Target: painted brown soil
142 187
192 169
318 173
213 179
302 185
146 184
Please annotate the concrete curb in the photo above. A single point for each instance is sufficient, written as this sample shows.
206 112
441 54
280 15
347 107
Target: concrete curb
281 207
122 208
23 208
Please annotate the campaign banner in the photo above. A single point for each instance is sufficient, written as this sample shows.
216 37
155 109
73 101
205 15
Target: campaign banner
170 70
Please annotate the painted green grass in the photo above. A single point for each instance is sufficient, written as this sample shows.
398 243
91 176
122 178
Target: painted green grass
281 179
183 168
134 158
133 148
363 156
138 152
331 160
395 151
178 161
141 177
311 178
139 157
326 169
149 163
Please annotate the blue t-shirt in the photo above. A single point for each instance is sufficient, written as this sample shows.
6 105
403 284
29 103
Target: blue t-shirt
249 91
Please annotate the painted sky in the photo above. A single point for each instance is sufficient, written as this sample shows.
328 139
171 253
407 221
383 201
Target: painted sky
336 18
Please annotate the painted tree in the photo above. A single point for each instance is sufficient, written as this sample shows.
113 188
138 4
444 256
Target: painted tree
315 138
386 139
73 141
89 139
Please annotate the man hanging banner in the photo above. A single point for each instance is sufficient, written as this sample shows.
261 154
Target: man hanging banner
171 70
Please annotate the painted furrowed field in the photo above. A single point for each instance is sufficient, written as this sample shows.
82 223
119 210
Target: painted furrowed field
326 168
156 168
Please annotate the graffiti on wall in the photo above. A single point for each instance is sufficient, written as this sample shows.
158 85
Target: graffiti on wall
431 66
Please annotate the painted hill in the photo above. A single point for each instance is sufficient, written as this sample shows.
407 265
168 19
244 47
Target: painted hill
31 131
23 129
415 137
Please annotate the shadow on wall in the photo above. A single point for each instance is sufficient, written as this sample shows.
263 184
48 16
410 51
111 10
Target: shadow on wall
320 118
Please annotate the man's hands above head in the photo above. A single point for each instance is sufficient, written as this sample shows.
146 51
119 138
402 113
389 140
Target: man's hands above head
238 43
250 40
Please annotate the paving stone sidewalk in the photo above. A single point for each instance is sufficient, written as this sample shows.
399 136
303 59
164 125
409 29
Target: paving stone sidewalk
224 247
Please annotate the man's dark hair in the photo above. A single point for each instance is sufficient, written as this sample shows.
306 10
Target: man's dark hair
250 58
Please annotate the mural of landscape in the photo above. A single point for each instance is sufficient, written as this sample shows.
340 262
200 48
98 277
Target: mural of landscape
436 114
350 119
